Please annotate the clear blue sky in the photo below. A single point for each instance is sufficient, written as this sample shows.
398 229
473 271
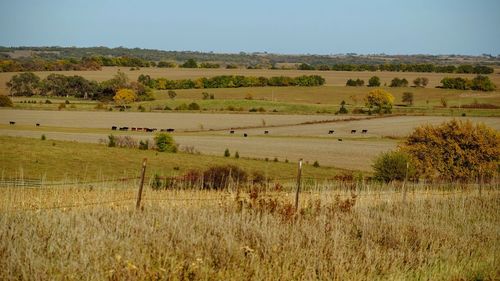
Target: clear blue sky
293 26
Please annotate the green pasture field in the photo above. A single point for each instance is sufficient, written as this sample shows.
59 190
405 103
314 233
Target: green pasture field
59 160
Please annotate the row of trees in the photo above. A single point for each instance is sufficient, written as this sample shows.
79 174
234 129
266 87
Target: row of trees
28 84
10 65
230 81
96 61
479 83
400 67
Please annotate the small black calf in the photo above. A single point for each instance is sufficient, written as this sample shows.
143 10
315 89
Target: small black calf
353 131
331 132
38 124
339 139
170 130
12 122
245 135
231 132
113 128
123 128
266 132
364 131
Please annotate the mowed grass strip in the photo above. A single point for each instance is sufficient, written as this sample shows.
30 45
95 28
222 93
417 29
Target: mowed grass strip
58 160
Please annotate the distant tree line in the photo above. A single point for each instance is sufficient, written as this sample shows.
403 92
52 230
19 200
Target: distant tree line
230 81
400 67
246 59
96 62
20 65
29 84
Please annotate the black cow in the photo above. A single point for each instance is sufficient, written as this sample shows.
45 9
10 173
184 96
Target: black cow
113 128
364 131
170 130
353 131
12 122
245 135
266 132
331 132
231 132
38 124
339 139
123 129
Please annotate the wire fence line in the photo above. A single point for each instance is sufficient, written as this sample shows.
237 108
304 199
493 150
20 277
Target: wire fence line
226 196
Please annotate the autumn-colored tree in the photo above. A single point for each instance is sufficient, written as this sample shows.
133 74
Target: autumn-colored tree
454 151
381 101
124 97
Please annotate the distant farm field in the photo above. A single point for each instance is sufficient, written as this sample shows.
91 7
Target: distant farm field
287 138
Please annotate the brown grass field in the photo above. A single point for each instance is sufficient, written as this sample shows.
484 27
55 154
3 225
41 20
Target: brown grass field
78 233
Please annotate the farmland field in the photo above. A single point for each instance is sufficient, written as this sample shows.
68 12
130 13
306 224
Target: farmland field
287 138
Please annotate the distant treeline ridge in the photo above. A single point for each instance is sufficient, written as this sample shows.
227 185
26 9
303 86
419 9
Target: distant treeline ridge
96 62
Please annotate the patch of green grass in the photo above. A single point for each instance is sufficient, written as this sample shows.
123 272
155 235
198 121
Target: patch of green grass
57 160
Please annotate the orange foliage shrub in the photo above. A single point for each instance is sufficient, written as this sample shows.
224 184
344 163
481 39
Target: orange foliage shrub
454 151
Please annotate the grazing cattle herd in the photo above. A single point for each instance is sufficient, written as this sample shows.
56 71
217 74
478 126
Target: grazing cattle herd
171 130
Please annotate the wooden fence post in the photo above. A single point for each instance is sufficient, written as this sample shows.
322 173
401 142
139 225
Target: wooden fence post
404 183
139 195
299 175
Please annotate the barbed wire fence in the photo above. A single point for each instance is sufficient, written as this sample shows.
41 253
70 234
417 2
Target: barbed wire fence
271 187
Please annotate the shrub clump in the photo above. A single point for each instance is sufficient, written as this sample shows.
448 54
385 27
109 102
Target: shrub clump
165 143
5 101
454 151
393 165
219 177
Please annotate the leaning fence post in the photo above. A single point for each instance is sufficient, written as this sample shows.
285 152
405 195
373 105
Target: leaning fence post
139 195
299 175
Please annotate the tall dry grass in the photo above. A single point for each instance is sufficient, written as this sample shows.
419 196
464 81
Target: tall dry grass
95 233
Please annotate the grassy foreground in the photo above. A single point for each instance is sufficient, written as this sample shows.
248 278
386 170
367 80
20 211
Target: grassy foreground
195 235
59 160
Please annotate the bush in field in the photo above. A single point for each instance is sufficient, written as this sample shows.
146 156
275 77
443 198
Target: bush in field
171 94
227 153
374 81
355 83
454 151
396 82
381 101
5 101
165 143
144 145
182 106
343 109
392 165
193 106
421 81
219 177
111 141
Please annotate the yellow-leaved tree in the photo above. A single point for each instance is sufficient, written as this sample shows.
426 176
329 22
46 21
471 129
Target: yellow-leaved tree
454 151
124 97
380 101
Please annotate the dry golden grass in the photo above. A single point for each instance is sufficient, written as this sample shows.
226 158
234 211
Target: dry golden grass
202 235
